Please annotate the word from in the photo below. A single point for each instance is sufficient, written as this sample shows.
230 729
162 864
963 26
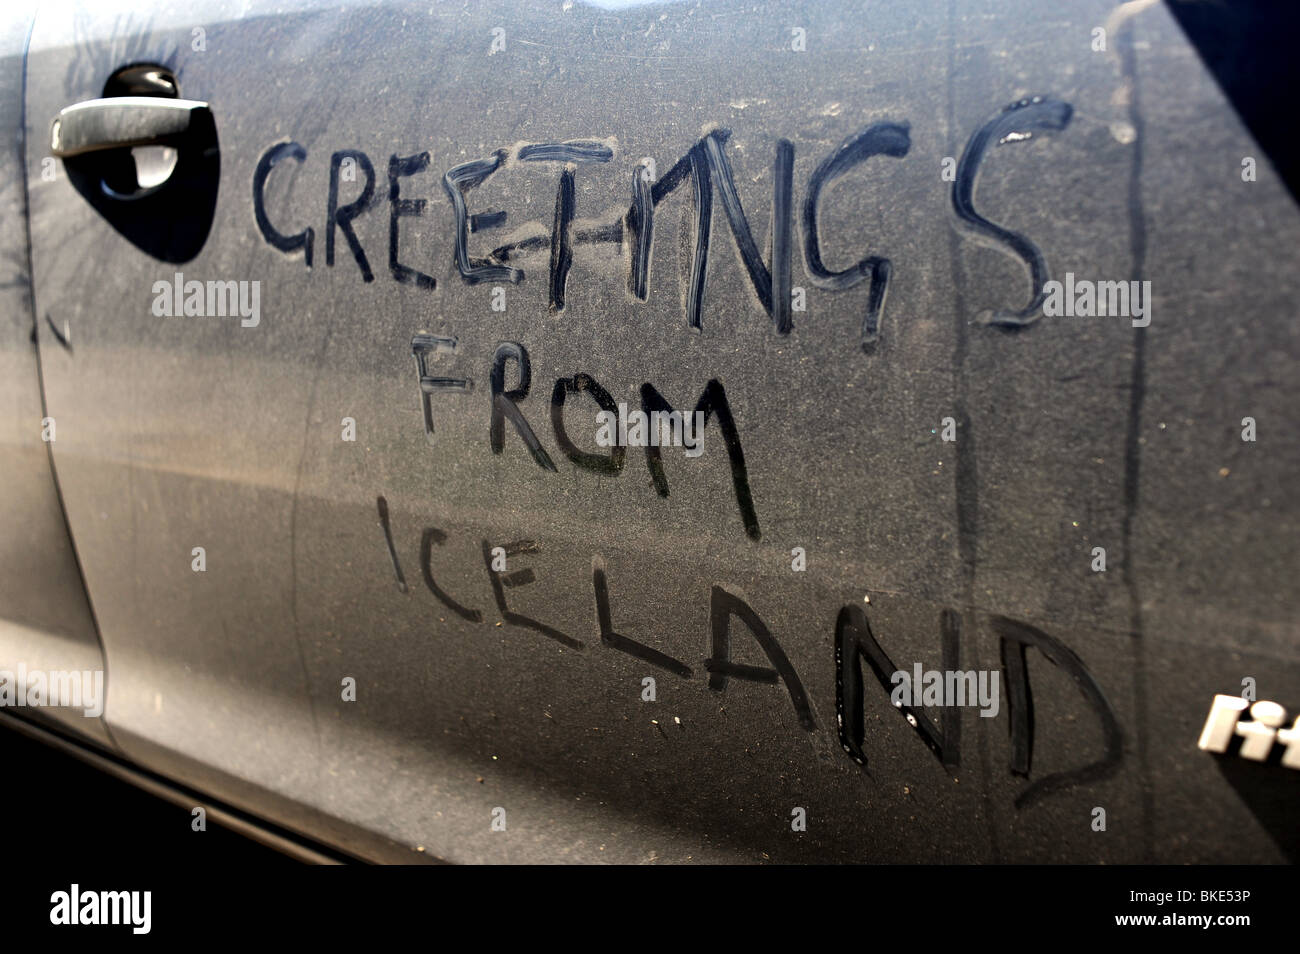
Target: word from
81 689
194 299
103 907
1084 299
505 407
1256 734
951 688
659 429
853 642
707 169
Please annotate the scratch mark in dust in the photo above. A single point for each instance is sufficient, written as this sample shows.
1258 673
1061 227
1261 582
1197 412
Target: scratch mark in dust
1132 437
293 532
966 476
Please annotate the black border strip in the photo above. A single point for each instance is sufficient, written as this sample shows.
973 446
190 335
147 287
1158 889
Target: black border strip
256 829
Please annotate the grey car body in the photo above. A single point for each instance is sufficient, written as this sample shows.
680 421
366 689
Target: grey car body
355 564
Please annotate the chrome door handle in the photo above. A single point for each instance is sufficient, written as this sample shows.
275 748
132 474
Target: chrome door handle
122 121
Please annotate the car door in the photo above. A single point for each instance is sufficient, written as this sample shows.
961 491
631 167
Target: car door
365 560
46 625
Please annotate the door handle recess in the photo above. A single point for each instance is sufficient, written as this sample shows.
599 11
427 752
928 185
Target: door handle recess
122 121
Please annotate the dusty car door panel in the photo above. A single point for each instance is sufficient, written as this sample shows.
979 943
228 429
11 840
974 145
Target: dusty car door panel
353 544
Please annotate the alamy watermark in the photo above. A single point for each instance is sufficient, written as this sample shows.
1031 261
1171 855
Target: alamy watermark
214 299
130 908
656 429
78 689
1086 299
934 687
